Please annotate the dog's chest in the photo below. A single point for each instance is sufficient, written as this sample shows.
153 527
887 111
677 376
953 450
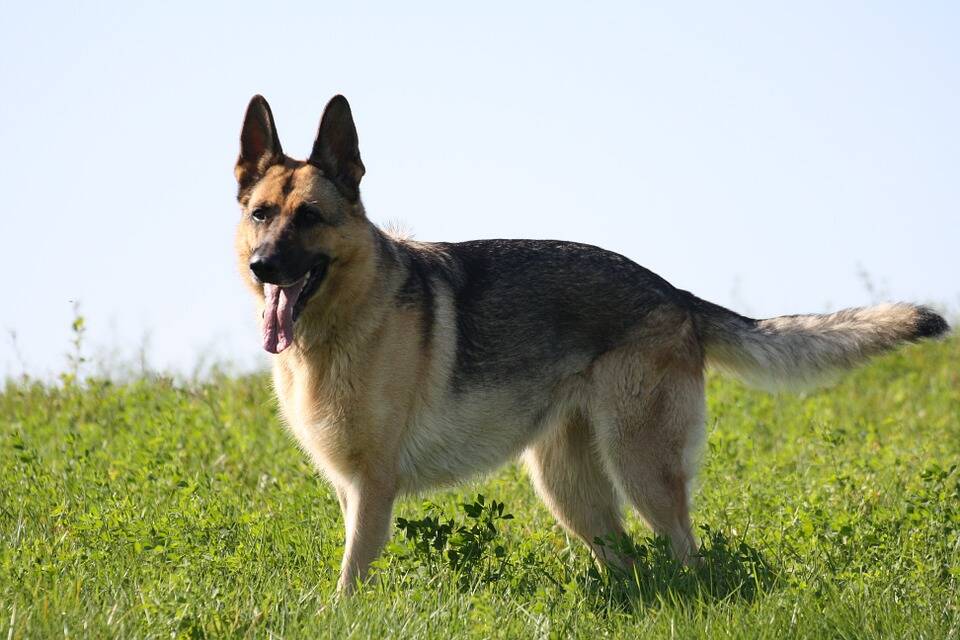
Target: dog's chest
320 415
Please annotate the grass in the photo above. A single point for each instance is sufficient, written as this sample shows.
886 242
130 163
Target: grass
158 509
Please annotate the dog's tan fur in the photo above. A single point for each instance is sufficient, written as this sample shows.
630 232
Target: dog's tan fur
370 398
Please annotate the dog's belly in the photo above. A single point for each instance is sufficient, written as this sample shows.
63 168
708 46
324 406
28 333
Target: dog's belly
470 434
429 430
459 439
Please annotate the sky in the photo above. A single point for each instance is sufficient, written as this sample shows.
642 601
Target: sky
771 158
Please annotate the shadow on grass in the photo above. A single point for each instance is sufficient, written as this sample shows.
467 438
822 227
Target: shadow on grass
472 548
729 570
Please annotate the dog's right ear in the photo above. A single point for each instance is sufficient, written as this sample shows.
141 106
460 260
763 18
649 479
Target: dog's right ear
259 144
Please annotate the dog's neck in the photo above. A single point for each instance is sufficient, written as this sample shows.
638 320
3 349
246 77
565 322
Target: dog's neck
344 313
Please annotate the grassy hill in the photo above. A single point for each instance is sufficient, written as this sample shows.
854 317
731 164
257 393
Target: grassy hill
157 509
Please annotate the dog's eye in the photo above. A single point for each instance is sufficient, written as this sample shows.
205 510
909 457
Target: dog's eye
307 216
260 214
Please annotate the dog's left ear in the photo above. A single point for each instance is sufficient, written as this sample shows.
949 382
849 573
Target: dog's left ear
336 151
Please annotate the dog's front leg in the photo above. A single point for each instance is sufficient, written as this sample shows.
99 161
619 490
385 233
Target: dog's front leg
369 508
342 499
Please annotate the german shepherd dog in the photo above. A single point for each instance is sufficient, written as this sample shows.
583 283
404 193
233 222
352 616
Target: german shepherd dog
401 365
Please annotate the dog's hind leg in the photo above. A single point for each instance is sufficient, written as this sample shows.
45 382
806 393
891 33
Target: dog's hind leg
649 414
652 454
569 476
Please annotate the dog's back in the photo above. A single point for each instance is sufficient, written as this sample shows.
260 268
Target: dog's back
522 306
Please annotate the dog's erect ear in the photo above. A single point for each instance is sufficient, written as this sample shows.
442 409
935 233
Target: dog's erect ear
335 151
259 143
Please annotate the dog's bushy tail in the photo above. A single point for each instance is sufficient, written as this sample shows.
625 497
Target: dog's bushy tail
805 350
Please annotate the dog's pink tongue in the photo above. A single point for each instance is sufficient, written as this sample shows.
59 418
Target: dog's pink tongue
271 296
278 315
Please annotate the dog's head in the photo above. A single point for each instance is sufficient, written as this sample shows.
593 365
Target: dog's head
300 218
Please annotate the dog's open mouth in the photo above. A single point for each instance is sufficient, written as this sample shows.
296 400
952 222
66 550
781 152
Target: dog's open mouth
283 304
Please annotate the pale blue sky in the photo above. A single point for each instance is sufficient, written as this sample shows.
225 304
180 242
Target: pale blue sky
757 154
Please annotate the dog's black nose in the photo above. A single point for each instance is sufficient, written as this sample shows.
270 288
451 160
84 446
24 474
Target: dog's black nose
264 268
